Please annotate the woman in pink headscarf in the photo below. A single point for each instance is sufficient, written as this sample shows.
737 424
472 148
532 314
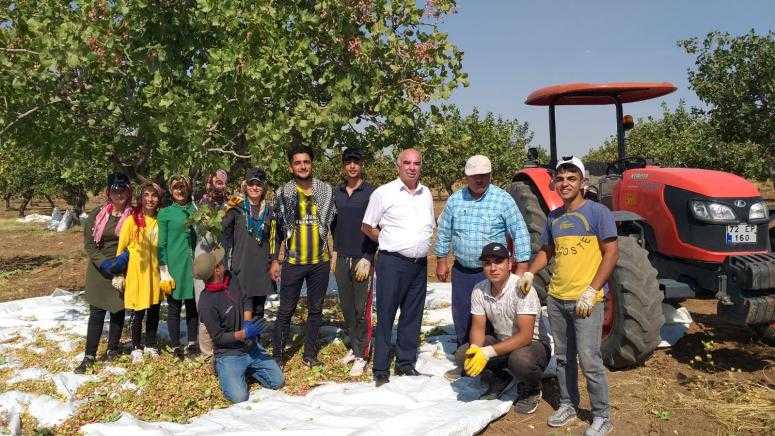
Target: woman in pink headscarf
100 239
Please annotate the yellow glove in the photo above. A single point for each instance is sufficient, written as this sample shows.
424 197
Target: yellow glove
476 359
362 269
166 282
586 302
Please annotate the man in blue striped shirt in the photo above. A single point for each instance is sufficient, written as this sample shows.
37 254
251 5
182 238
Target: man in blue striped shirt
473 217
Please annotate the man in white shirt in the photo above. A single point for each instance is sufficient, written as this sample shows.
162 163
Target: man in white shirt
400 218
519 341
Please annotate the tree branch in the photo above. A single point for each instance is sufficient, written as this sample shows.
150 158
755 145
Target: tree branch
21 117
19 50
231 152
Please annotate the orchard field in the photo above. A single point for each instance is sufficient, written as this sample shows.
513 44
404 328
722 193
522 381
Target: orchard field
716 380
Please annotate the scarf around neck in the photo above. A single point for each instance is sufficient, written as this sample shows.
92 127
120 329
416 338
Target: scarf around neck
255 226
218 287
102 218
288 201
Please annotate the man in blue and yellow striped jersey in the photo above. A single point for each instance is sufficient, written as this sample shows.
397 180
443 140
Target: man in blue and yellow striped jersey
304 209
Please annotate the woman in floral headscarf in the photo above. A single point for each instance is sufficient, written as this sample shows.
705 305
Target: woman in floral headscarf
177 240
100 245
142 294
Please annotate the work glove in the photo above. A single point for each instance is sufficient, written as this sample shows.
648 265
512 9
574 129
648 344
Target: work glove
362 269
254 327
525 282
166 282
118 283
586 302
115 265
476 359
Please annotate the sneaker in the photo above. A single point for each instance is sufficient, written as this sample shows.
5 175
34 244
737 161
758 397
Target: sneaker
496 384
349 357
453 374
358 366
381 379
406 370
311 362
112 355
151 352
600 426
136 355
178 352
192 350
527 404
86 363
565 414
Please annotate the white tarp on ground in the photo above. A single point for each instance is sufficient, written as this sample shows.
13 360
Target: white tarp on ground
406 405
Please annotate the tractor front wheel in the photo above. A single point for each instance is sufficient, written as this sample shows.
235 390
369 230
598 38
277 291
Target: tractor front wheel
633 313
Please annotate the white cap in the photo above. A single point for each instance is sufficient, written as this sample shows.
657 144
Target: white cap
478 164
576 162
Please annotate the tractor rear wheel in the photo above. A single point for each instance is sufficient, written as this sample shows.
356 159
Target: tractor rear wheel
535 220
633 308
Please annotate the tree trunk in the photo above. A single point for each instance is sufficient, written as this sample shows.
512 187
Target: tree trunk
772 169
7 198
50 201
26 197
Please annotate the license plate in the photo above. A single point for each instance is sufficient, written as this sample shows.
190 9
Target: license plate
741 234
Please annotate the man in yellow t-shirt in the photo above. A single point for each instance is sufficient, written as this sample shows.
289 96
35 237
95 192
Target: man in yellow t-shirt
581 237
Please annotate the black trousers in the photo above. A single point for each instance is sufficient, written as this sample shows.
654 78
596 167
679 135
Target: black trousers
151 327
400 283
291 280
94 329
173 320
526 364
257 306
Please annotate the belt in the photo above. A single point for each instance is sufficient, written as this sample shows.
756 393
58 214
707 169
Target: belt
466 269
402 257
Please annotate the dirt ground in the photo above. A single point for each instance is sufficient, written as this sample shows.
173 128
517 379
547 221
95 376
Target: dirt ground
717 380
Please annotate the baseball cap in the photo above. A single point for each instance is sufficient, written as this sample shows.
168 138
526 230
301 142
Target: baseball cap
256 174
478 164
118 181
494 249
205 263
352 154
572 160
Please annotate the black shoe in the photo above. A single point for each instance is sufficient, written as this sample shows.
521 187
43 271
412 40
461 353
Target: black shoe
381 379
406 370
112 354
192 351
496 383
311 362
178 352
527 403
86 363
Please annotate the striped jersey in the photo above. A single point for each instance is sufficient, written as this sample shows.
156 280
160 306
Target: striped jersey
304 246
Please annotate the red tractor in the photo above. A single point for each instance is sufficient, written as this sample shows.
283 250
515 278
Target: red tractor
683 232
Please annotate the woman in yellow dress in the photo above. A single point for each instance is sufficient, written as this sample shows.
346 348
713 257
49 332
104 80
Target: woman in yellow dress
142 295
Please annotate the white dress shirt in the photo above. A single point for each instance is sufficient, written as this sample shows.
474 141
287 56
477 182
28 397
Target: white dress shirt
405 219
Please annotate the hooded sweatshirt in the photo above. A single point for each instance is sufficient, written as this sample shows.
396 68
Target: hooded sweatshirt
221 311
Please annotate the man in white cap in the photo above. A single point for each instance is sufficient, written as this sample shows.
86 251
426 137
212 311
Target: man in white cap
473 217
581 237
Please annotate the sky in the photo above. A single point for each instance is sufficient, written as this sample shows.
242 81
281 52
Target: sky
515 47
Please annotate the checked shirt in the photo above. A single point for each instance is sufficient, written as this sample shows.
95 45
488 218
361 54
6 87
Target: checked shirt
467 224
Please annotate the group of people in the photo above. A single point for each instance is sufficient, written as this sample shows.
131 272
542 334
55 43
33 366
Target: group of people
381 241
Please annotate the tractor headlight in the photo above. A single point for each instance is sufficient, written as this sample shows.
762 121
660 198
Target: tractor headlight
758 212
712 212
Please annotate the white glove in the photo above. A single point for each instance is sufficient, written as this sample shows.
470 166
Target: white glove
586 302
362 269
118 283
525 282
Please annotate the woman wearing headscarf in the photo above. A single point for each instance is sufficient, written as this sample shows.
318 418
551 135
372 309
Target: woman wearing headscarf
142 294
177 240
100 242
248 232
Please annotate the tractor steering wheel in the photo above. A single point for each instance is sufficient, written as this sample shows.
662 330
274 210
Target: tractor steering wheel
621 165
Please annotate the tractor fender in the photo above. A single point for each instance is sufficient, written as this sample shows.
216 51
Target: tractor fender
540 177
625 215
630 223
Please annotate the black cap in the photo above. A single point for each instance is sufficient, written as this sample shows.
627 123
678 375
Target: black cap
256 174
352 154
496 250
118 181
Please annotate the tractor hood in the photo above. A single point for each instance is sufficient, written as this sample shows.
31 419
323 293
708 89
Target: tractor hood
709 183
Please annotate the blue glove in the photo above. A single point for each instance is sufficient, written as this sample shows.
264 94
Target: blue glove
254 327
116 265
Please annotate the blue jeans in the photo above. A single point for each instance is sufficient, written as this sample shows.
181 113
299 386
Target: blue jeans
463 282
232 372
574 336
